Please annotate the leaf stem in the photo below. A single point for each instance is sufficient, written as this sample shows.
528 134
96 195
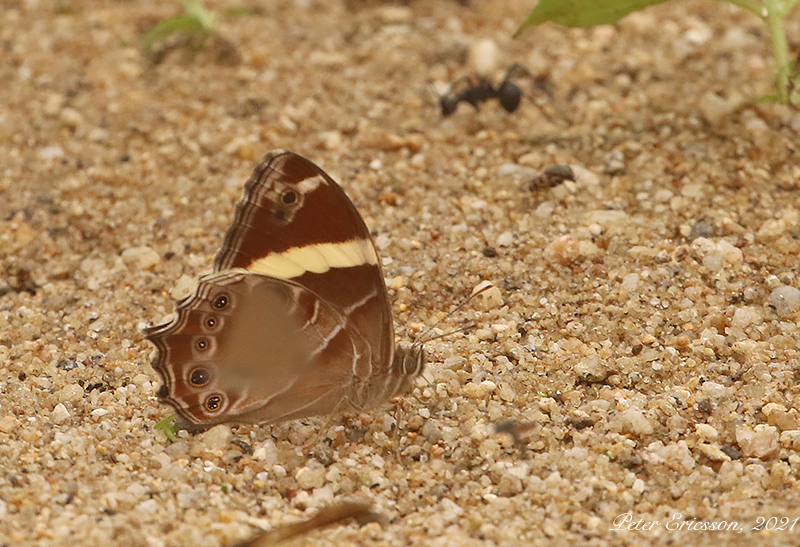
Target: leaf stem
775 16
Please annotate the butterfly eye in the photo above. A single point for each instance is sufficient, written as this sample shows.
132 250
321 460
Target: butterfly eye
213 403
221 302
201 344
211 322
289 197
199 377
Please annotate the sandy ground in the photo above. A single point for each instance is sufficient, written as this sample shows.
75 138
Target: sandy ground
646 338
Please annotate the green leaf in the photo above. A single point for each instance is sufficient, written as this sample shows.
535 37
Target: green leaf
770 98
167 426
196 9
583 13
182 23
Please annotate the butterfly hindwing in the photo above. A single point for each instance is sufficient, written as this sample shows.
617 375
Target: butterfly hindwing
243 343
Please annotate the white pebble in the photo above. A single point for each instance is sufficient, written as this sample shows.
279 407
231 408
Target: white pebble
266 452
70 393
382 242
505 239
51 152
148 507
744 317
184 286
759 443
564 250
630 282
483 56
308 477
545 209
785 300
714 390
279 471
60 414
713 263
706 432
771 230
143 258
634 421
71 117
454 361
487 296
216 438
713 452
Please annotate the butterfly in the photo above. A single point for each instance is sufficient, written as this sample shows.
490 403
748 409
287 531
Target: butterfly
295 319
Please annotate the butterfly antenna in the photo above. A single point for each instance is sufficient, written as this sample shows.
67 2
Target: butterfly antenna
481 288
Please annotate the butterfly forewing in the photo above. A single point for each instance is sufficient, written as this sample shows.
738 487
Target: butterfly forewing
295 222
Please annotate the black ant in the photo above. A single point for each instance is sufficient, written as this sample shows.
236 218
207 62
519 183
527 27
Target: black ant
478 89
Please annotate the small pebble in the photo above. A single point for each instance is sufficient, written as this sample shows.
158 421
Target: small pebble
486 296
60 414
51 152
785 300
591 370
310 477
483 56
509 485
771 230
70 393
565 250
630 282
505 239
382 242
9 424
706 432
713 452
472 390
762 442
71 117
216 438
184 286
142 258
745 317
635 422
701 229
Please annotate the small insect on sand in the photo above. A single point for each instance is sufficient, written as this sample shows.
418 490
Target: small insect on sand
475 90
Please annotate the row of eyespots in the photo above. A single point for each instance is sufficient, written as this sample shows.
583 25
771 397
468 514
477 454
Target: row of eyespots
200 376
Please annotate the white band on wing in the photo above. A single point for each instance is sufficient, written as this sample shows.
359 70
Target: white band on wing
316 258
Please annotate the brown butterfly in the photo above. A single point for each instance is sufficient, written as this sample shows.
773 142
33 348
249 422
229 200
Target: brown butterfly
295 320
